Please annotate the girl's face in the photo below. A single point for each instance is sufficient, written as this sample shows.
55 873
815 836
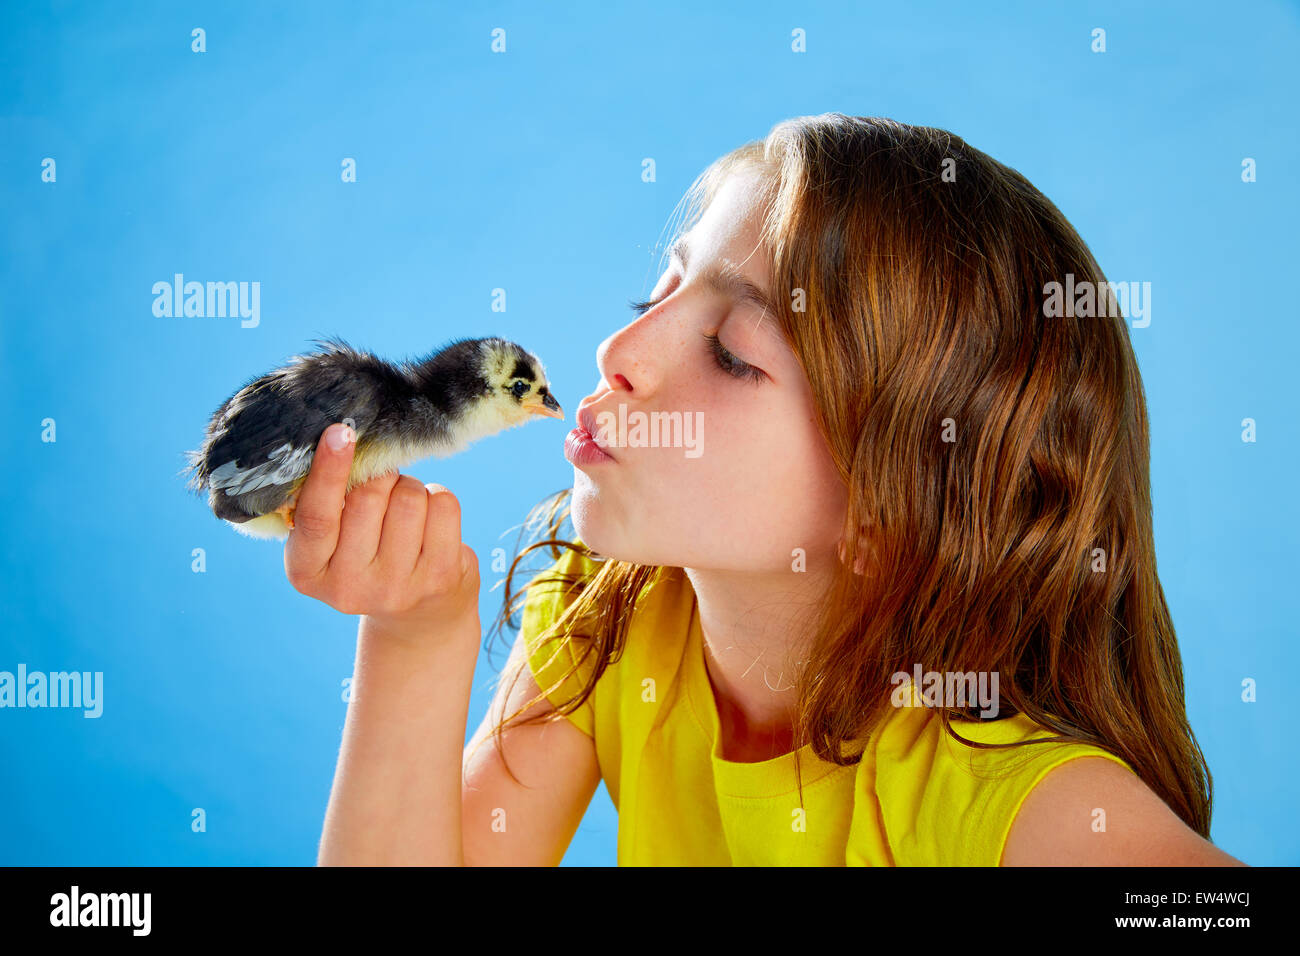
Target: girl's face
728 471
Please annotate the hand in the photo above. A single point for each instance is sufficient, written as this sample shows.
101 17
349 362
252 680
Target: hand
389 549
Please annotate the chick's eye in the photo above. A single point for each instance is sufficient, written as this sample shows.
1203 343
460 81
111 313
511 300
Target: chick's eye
520 388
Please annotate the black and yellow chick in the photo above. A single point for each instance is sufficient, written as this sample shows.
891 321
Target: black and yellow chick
260 443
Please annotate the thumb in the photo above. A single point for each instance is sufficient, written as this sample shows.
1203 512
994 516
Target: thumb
339 439
336 447
321 499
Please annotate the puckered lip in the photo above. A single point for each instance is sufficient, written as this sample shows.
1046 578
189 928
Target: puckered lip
587 421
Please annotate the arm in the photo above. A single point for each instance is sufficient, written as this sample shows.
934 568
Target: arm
1054 825
532 821
396 796
390 550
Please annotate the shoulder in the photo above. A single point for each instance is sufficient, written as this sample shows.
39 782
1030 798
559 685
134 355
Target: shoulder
660 610
549 594
943 802
550 654
564 658
1096 812
551 590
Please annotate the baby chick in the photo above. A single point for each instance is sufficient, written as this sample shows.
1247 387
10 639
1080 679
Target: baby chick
260 443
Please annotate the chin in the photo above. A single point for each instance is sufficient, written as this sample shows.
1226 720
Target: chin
584 512
603 525
591 525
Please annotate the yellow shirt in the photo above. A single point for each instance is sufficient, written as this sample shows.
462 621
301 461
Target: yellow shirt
917 797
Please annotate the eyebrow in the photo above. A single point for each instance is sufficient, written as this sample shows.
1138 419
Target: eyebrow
726 279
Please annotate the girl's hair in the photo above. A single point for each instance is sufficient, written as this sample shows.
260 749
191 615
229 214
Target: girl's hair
995 453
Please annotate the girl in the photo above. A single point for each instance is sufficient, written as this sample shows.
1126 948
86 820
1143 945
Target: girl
893 602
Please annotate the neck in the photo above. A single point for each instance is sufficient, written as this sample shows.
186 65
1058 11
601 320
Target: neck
757 628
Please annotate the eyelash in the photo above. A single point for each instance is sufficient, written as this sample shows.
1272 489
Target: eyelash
728 363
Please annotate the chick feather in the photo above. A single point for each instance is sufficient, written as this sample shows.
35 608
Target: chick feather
259 445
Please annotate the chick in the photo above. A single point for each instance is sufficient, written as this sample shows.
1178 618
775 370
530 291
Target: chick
260 443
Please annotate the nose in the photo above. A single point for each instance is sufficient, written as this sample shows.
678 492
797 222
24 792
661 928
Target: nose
632 359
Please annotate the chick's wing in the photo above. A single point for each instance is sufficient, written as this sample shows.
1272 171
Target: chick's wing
261 442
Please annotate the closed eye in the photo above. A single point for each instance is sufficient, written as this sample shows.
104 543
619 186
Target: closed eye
729 363
724 360
641 308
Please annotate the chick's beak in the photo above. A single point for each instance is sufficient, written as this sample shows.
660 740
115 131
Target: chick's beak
544 403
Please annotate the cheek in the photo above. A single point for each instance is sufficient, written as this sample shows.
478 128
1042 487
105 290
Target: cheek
764 483
787 464
760 485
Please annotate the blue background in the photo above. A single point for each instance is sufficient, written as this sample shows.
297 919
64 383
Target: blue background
522 171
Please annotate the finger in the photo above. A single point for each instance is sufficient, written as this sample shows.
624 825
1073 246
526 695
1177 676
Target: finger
403 531
363 519
320 503
440 549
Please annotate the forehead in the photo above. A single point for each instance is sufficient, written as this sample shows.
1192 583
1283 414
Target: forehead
725 251
730 228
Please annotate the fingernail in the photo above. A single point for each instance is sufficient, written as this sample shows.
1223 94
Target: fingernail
338 437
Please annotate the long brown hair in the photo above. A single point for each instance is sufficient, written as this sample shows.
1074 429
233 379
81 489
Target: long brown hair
996 457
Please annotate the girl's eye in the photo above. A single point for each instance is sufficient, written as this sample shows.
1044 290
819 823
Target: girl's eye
730 364
724 359
641 308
